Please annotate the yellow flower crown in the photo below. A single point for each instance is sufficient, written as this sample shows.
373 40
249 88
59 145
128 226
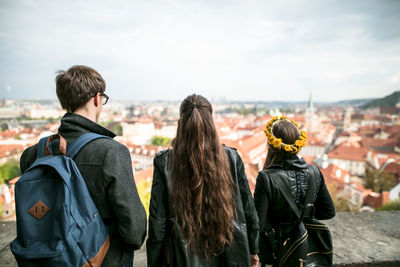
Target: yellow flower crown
277 142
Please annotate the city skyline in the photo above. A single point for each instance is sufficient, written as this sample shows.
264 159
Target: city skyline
166 50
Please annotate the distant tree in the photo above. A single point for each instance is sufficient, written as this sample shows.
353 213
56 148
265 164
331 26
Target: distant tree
241 110
387 101
160 140
378 182
245 111
117 129
341 202
9 170
112 126
4 127
105 123
392 205
288 110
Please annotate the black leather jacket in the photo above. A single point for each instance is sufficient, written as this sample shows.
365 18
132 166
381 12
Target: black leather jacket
162 218
272 206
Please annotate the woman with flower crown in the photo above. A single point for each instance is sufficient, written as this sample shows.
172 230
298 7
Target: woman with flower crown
277 218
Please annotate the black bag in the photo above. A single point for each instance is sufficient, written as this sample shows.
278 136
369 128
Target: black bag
320 248
310 241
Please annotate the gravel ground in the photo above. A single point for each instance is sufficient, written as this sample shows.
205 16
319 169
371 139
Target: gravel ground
360 238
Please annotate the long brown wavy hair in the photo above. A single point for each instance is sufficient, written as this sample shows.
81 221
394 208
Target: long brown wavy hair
289 133
203 193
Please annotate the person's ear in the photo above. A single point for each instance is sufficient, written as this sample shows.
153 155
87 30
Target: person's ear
96 99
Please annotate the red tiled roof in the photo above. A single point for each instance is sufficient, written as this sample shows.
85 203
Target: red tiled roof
349 152
334 173
246 144
8 134
251 173
376 200
394 130
264 119
308 159
315 141
8 150
299 119
259 129
374 142
385 156
145 120
258 139
219 124
246 128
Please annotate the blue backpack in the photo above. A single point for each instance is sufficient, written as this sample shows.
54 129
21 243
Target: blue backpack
58 223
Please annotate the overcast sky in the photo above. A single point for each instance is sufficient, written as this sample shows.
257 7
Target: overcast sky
239 50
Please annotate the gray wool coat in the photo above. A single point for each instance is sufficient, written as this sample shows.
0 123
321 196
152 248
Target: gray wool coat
106 167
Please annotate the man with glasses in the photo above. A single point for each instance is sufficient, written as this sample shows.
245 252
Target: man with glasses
105 164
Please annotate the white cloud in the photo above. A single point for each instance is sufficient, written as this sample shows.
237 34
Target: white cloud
395 79
241 50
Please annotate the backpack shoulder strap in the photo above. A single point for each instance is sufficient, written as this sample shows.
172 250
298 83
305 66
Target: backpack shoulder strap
311 185
285 191
287 195
41 147
83 140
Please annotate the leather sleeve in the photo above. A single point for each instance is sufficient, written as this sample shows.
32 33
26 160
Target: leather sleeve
324 208
249 208
158 215
123 196
261 200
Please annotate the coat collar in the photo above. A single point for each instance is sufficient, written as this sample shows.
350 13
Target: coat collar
77 123
290 162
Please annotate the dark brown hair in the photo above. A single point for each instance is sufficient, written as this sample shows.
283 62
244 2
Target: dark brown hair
77 85
203 193
289 133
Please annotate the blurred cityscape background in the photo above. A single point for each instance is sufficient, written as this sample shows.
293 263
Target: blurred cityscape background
355 143
333 66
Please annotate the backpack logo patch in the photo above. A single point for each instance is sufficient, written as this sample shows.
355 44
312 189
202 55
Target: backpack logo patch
39 210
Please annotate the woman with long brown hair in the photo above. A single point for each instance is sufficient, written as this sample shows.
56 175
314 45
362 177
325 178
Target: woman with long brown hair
286 177
201 209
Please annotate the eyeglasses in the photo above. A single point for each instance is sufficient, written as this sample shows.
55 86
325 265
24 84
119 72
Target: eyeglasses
105 97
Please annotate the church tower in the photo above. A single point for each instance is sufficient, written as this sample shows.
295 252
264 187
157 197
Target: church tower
309 114
347 118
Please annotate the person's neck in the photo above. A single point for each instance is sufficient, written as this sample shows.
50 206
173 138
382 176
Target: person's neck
91 115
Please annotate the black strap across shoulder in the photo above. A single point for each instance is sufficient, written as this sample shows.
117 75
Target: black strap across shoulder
284 188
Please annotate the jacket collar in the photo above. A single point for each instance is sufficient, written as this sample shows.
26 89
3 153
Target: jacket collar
71 122
290 162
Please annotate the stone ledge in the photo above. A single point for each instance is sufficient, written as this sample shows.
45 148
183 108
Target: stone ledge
359 239
366 239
